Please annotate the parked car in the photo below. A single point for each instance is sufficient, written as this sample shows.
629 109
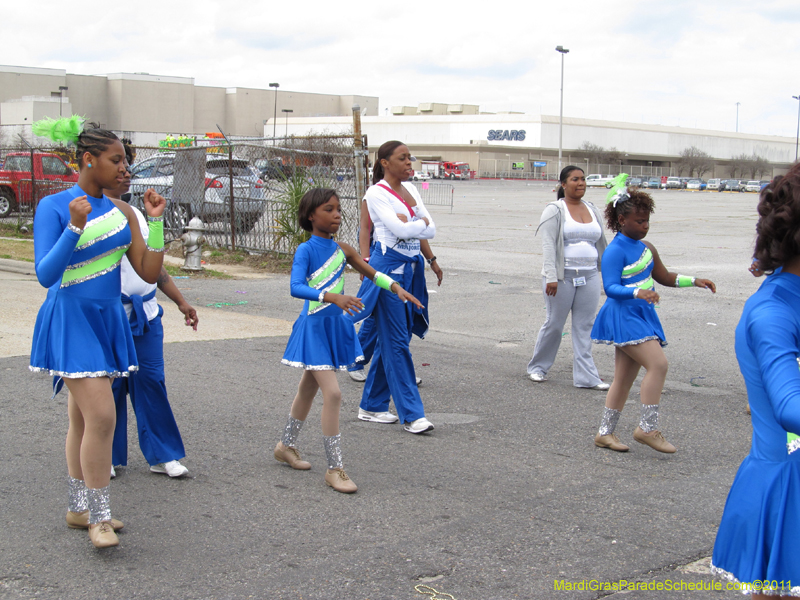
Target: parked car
596 180
654 183
714 184
635 182
674 183
214 206
422 176
752 186
272 168
50 172
695 184
733 185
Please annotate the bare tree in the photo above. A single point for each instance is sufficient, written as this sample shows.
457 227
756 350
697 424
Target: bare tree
761 166
740 164
695 160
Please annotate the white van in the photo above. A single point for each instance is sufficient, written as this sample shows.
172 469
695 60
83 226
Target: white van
713 184
674 183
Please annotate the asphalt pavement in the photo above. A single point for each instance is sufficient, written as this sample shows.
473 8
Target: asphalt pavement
504 500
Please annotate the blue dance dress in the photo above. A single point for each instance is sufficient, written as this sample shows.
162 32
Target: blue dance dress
81 329
323 338
757 537
624 320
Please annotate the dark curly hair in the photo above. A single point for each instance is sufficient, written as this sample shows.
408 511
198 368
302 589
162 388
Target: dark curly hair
638 201
310 201
778 227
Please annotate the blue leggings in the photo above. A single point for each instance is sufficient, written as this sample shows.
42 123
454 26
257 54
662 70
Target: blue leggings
392 372
159 437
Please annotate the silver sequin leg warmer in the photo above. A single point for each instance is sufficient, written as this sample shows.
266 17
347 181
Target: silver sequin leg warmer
609 421
99 504
649 420
333 450
291 431
77 495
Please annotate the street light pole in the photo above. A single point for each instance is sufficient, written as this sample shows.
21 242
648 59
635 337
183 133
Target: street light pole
275 111
737 116
797 143
286 111
563 51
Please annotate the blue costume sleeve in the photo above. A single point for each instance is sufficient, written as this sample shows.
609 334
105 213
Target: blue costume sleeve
611 268
300 268
774 340
53 244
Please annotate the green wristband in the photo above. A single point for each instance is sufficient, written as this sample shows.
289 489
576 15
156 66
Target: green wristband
383 281
155 238
684 281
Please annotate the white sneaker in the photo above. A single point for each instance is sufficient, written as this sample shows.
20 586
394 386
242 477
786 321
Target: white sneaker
537 377
377 417
360 376
601 387
113 472
419 426
419 381
172 468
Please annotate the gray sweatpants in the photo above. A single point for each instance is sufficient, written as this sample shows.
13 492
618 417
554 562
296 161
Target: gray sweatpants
582 301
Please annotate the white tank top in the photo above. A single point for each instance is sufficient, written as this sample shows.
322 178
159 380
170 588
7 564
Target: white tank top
579 243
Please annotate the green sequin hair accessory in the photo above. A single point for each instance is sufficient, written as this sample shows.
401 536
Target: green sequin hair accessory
618 191
66 129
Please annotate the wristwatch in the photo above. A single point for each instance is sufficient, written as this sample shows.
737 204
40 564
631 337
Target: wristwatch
431 260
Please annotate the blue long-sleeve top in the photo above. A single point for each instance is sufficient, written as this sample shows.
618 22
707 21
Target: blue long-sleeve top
318 267
627 265
768 351
87 264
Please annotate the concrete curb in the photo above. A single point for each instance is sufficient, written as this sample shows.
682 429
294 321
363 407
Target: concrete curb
17 266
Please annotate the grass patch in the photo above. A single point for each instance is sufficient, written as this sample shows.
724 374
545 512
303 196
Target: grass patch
265 263
16 250
176 271
12 230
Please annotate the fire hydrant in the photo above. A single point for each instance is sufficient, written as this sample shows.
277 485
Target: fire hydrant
193 245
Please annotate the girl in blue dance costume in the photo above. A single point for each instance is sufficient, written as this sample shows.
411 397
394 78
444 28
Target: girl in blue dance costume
82 335
323 338
757 538
628 319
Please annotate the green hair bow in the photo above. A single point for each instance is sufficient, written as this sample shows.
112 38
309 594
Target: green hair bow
618 191
66 129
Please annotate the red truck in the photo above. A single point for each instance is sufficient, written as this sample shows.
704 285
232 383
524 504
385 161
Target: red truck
446 169
22 189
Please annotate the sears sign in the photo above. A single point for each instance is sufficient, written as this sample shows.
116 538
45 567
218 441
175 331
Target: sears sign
500 135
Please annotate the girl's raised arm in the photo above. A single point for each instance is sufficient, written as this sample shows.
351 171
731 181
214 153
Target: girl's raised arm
146 258
670 279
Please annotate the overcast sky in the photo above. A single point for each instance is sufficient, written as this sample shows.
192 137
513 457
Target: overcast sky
669 62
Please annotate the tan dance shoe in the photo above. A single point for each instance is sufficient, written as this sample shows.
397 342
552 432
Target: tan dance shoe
654 439
102 535
80 520
610 441
290 456
338 480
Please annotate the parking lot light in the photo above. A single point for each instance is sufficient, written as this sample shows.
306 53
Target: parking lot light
275 111
563 51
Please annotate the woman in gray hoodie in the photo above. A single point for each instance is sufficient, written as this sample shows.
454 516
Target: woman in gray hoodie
573 240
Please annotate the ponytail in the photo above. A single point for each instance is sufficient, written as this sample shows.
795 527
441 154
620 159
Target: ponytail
384 152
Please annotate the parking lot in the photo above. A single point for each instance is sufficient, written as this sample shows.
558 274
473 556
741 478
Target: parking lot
506 497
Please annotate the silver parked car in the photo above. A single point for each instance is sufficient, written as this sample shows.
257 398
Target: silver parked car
209 199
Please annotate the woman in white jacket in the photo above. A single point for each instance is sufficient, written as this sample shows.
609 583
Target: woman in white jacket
573 240
401 221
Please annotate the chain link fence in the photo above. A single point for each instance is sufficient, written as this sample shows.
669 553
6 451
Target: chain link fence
245 190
